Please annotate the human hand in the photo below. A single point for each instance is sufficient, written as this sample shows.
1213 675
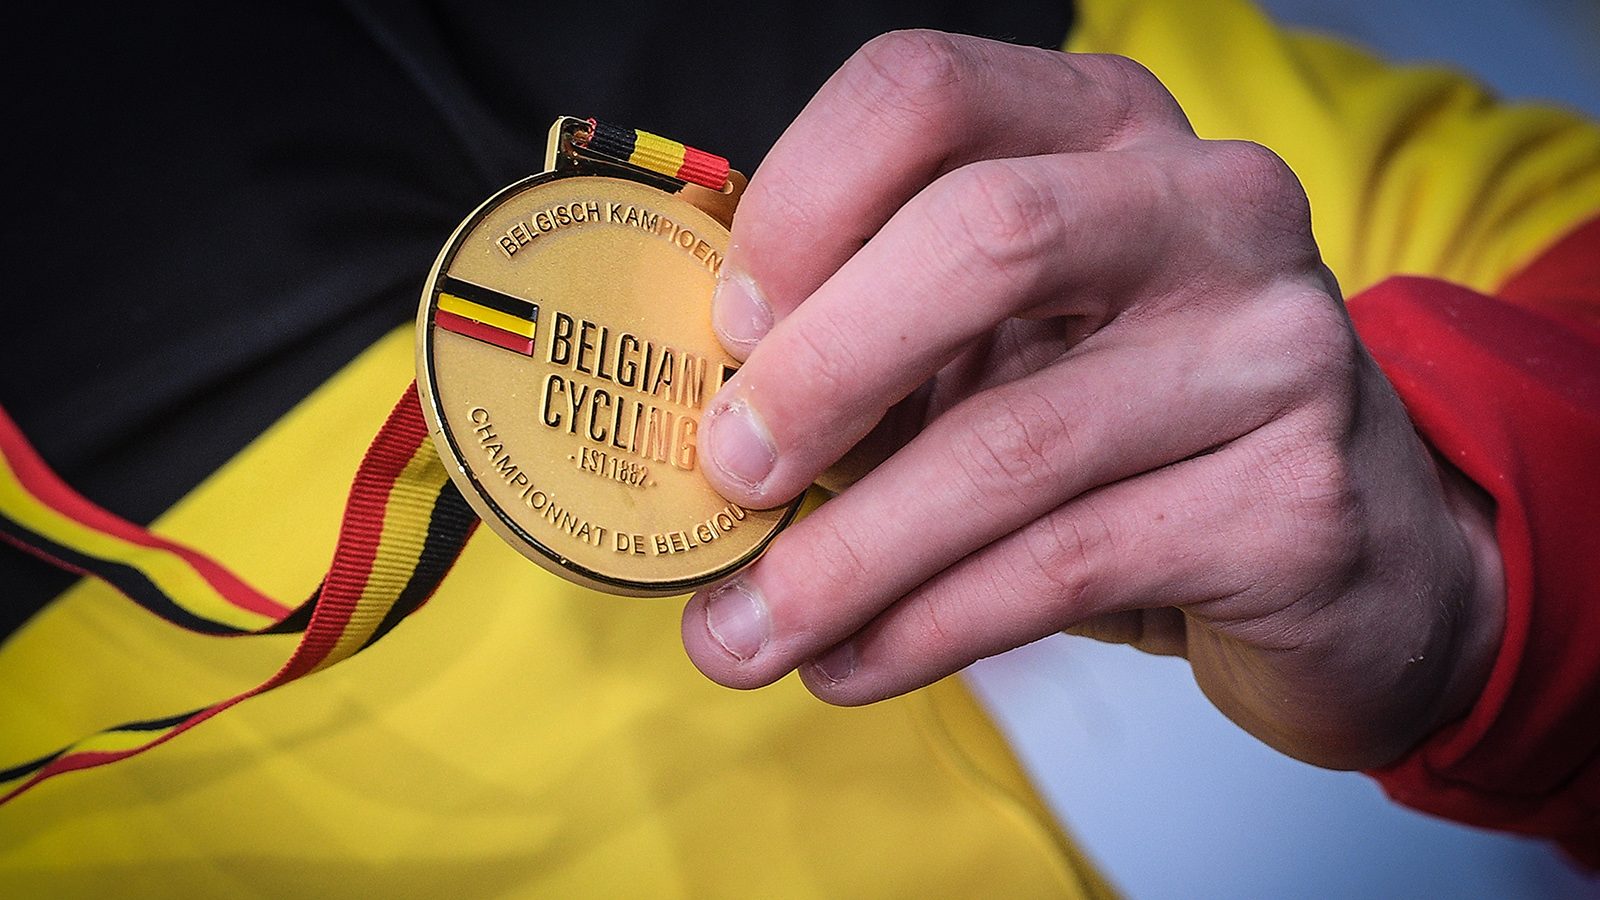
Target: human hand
1086 372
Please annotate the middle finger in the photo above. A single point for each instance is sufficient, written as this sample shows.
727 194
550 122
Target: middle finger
989 466
1072 234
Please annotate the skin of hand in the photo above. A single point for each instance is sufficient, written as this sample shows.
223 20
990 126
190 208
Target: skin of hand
1074 369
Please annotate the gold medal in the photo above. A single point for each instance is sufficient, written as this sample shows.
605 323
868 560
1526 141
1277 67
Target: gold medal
565 356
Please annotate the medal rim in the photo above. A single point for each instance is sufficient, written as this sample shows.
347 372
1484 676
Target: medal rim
461 474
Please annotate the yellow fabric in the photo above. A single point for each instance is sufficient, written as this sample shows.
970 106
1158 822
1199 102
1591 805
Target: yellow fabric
518 736
1409 170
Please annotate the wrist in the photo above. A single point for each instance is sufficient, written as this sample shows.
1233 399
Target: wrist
1480 618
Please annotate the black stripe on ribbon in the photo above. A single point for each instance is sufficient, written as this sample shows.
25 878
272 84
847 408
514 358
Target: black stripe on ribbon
449 525
297 621
30 767
129 580
613 141
160 724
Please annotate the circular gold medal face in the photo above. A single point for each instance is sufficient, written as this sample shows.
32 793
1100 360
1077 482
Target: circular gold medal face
565 357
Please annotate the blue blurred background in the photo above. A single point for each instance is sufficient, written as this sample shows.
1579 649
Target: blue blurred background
1169 797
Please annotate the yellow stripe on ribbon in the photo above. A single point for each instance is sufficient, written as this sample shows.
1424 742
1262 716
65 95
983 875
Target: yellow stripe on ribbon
652 151
113 741
405 531
171 574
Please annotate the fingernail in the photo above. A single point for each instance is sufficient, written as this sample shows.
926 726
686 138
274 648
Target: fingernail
739 444
837 664
736 617
738 313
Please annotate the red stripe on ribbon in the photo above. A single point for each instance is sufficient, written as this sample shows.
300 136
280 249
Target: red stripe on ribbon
44 484
702 168
88 759
397 442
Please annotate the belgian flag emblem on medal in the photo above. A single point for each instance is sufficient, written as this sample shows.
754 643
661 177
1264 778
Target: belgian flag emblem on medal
485 315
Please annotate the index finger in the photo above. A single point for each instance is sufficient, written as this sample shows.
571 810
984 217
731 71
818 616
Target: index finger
906 108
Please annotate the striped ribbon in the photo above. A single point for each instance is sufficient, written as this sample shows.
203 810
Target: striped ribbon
656 153
403 527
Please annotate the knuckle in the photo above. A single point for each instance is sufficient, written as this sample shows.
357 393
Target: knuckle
1132 78
913 70
1253 166
1261 182
997 216
1324 338
814 578
1317 494
1010 445
835 562
942 621
1312 334
1057 551
933 626
780 203
1136 95
1319 486
819 362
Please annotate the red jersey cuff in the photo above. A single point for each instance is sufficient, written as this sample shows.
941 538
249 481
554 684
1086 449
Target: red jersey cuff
1509 392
